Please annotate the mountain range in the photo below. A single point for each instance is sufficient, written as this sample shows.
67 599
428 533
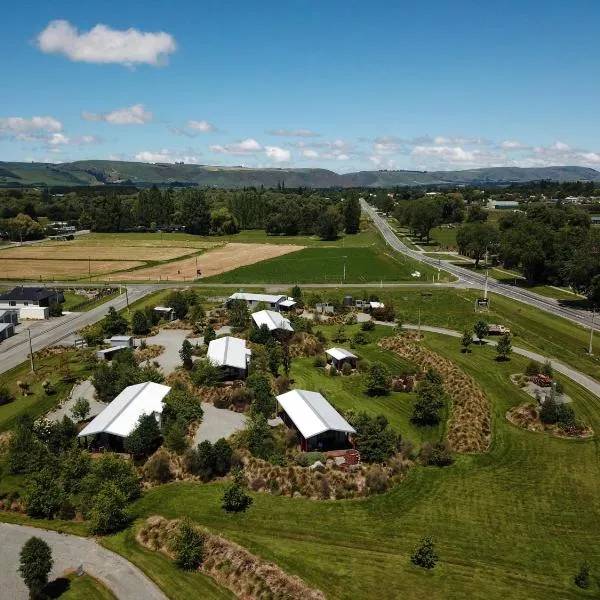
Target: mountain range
102 172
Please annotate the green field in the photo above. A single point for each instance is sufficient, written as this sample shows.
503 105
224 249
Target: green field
79 588
326 265
513 523
444 237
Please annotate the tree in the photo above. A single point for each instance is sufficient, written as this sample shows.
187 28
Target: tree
475 239
375 440
378 380
352 215
107 513
114 323
263 401
205 373
504 347
424 555
186 353
582 579
274 356
81 409
181 404
209 335
197 316
481 329
43 495
187 544
330 224
428 404
144 439
238 314
178 302
175 435
222 456
195 213
466 341
139 323
203 462
296 294
259 437
476 214
110 468
425 215
286 358
35 564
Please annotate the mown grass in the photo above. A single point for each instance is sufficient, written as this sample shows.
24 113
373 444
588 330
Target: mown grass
85 587
326 265
515 522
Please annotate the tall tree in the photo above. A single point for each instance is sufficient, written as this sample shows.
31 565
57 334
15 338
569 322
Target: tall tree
352 215
195 214
35 564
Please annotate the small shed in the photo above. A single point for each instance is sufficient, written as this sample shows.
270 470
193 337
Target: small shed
121 416
121 340
288 304
230 355
6 330
109 353
9 316
338 357
325 308
318 424
165 312
273 320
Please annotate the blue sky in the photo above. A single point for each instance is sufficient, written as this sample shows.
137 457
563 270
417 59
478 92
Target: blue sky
340 85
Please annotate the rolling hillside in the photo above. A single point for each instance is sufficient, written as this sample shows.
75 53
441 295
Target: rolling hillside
101 172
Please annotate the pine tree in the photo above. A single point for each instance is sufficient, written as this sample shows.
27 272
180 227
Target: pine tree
352 215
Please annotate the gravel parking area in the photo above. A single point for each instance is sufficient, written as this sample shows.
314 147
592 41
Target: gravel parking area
84 389
218 423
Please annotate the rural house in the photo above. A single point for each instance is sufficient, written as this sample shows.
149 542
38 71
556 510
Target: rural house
271 301
273 320
319 425
230 355
121 416
32 302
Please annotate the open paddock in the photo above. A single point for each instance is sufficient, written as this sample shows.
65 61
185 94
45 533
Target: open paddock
141 240
220 260
24 268
102 252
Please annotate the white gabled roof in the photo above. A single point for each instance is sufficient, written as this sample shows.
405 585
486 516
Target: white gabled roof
273 320
229 352
121 416
249 297
163 308
376 304
340 353
312 414
288 303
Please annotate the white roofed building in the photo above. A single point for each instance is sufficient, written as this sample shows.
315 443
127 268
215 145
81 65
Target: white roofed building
273 320
273 301
318 424
121 416
337 357
231 355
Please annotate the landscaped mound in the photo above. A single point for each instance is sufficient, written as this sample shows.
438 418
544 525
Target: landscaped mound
246 575
527 416
469 425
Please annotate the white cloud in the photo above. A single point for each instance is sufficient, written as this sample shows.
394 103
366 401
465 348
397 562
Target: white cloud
247 146
200 126
560 147
278 155
166 156
105 45
384 147
511 145
312 154
342 157
293 132
22 125
52 140
132 115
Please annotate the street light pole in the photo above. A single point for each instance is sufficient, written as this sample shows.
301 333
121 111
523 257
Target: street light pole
590 350
31 351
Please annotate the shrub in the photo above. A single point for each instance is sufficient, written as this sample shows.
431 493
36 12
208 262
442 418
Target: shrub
43 496
481 329
430 400
582 579
139 323
187 544
347 369
107 513
5 395
223 401
282 384
375 441
360 339
306 459
439 455
205 373
235 499
144 439
35 564
368 326
81 409
547 369
320 361
466 341
378 380
377 480
424 555
533 368
504 347
350 319
158 468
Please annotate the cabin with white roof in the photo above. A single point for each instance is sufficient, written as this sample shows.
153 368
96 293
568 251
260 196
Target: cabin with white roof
318 424
338 357
121 416
272 301
273 320
165 312
230 355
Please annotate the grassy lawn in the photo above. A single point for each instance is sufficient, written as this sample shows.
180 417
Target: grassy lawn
53 368
326 265
80 303
444 237
366 237
85 587
515 522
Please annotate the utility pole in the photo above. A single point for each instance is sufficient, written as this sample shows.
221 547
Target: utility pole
90 268
485 288
590 350
419 329
31 351
127 299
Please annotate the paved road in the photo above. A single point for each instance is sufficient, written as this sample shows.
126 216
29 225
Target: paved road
52 331
125 580
583 317
587 382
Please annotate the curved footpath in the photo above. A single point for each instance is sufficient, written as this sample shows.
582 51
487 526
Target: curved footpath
125 580
587 382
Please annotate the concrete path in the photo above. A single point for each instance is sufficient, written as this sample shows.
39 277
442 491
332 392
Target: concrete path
84 389
218 423
587 382
125 580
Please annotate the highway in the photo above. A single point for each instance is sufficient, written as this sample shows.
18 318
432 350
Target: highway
582 317
15 350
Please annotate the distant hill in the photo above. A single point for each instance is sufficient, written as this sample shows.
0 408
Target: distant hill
101 172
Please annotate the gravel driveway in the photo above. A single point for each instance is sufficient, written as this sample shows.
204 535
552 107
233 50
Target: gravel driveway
125 580
218 423
84 389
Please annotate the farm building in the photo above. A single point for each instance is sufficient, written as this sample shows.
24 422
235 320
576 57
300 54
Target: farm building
121 416
274 302
9 316
318 424
273 320
231 355
32 302
126 341
338 357
165 312
6 330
